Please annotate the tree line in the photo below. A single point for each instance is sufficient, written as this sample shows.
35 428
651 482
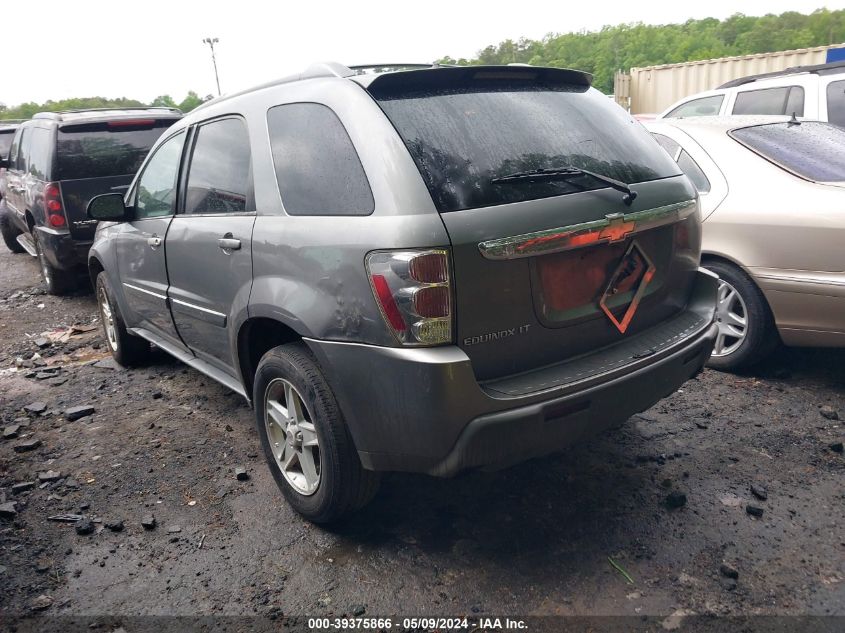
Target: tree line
27 110
635 45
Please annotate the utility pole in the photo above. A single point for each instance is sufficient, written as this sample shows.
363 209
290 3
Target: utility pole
211 41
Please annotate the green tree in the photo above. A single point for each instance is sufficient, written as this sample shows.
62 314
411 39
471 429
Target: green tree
190 102
164 100
623 46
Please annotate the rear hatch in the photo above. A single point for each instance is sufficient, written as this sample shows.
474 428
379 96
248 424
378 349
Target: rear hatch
101 157
546 267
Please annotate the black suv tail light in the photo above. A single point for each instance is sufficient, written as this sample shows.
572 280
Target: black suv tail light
53 206
413 291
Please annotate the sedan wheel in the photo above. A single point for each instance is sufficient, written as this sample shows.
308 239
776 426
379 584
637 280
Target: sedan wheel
731 317
746 329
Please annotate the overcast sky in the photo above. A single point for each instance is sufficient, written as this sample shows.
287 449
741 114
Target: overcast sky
141 50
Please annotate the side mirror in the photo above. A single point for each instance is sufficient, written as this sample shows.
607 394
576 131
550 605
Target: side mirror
4 163
108 207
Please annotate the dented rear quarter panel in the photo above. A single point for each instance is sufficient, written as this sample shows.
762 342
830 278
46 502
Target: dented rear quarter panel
309 271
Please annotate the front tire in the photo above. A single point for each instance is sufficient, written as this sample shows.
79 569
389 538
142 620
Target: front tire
59 282
9 231
126 349
746 326
305 439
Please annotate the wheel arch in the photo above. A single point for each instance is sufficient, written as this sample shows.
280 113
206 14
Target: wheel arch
709 257
257 336
95 267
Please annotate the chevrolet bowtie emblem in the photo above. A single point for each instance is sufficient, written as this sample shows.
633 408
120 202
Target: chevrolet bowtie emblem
627 284
617 228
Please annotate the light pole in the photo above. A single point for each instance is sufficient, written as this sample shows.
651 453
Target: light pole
211 41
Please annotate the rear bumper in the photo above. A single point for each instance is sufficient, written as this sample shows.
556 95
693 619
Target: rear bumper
62 251
422 410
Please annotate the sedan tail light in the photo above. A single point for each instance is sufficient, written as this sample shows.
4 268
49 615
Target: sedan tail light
413 291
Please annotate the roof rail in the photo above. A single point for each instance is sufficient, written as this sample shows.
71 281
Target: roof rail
57 114
314 71
322 69
794 70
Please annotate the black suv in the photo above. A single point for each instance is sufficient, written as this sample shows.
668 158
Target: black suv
57 162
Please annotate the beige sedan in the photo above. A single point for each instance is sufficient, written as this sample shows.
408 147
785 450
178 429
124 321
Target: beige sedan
773 204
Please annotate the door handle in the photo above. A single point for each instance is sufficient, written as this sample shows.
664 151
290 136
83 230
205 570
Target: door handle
229 243
154 241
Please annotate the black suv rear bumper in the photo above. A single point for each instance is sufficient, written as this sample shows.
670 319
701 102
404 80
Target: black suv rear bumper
62 251
422 410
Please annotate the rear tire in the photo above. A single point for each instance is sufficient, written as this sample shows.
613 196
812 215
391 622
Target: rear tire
742 309
59 282
9 231
289 431
126 349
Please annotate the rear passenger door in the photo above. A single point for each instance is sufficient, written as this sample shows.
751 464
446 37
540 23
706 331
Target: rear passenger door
209 243
140 243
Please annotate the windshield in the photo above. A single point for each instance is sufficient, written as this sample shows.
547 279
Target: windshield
6 137
97 150
464 138
812 150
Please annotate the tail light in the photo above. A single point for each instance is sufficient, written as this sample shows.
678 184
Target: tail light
412 289
53 206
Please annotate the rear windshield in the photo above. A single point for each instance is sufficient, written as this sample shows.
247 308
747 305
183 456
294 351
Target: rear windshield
462 138
114 148
6 142
812 150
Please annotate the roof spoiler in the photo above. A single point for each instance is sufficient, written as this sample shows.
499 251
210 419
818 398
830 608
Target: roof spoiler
462 76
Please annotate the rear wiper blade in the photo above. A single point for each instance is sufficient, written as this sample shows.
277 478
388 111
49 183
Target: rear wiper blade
563 173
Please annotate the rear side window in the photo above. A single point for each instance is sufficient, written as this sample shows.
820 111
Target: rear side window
40 153
836 102
706 106
112 148
317 167
220 176
672 148
693 172
465 137
785 100
6 143
685 162
810 149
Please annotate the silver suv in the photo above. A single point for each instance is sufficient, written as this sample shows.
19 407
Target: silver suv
430 269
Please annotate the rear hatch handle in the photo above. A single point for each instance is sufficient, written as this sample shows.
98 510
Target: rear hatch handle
613 227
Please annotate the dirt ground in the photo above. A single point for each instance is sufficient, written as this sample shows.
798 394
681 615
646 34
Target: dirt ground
588 532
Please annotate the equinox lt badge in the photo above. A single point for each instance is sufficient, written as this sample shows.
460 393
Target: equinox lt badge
496 336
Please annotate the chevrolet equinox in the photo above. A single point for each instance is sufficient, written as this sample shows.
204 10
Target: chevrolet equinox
427 269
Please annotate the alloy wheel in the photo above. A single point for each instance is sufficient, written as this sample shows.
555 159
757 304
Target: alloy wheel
108 318
293 438
731 318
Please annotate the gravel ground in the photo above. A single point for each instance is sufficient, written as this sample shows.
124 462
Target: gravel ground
724 499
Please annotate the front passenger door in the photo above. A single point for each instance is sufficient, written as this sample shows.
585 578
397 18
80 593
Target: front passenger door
140 243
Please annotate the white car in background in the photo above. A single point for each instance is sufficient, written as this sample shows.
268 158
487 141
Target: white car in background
811 92
772 193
